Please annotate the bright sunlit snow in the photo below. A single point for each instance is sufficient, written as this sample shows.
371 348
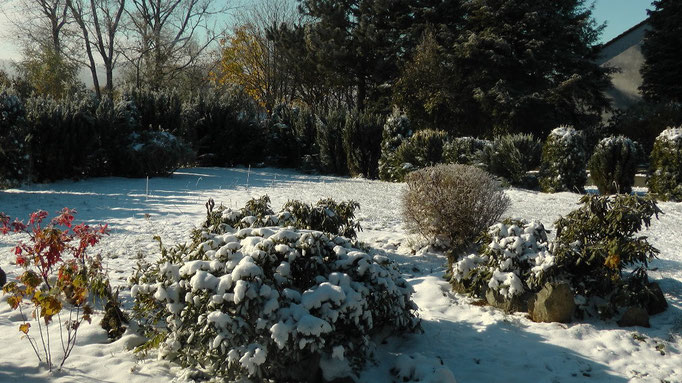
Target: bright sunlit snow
460 341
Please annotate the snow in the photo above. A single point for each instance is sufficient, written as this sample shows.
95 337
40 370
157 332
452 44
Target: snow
671 134
460 341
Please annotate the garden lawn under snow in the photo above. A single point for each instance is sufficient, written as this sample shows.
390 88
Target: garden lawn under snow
469 342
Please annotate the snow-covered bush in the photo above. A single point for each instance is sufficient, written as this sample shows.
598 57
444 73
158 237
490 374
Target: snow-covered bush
452 204
613 165
596 245
362 143
396 129
153 153
562 167
666 165
424 148
511 260
326 215
270 303
511 156
14 161
464 150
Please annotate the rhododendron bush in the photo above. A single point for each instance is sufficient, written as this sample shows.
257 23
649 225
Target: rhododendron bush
58 276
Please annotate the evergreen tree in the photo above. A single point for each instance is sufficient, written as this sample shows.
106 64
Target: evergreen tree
529 65
662 49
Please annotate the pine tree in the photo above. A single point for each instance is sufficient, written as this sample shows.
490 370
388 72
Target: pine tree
662 49
530 65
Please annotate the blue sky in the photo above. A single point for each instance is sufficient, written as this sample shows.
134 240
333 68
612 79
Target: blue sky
619 15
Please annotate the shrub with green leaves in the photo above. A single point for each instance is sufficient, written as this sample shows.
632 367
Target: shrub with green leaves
326 215
613 165
424 148
665 180
362 143
156 154
596 250
270 303
512 257
563 162
452 204
157 109
14 164
464 150
396 130
511 156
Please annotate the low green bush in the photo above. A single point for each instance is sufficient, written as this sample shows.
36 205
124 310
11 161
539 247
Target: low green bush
424 148
396 130
511 157
665 180
153 153
464 150
613 165
563 163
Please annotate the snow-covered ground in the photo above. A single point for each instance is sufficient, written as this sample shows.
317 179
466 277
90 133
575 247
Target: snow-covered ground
476 344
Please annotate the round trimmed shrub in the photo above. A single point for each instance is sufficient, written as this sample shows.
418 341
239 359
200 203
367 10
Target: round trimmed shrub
665 180
153 153
562 167
270 303
452 204
424 148
613 165
464 150
511 156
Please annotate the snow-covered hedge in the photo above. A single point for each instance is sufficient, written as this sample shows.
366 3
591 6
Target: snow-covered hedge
511 260
666 165
13 151
563 163
154 153
271 303
613 165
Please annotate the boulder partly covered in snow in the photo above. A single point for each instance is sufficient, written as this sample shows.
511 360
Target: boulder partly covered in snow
554 303
254 302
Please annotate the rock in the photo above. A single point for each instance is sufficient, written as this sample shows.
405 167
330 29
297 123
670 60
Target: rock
3 278
554 303
516 303
657 303
634 316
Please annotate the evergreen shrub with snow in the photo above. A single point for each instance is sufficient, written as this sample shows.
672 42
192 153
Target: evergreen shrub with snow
596 249
464 150
511 156
326 215
155 153
452 204
13 131
563 162
613 165
511 259
665 180
270 303
424 148
396 130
